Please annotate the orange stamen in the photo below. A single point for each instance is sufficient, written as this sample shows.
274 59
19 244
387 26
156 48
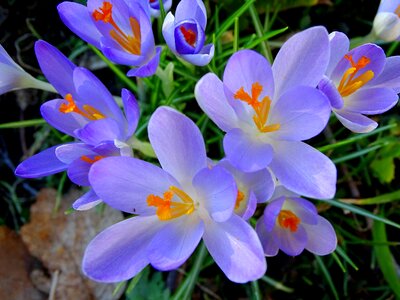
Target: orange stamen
168 209
397 11
239 199
288 220
261 109
89 112
131 43
91 160
350 83
189 35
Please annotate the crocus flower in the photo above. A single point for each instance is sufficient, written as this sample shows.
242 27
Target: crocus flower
386 24
154 6
120 29
185 33
292 224
266 112
88 112
360 82
255 187
13 77
176 207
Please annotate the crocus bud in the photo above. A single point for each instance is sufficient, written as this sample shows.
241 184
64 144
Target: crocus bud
386 24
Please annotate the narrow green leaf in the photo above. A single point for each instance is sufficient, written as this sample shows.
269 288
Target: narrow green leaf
266 36
386 198
327 276
356 154
21 124
256 294
344 255
340 264
385 259
276 284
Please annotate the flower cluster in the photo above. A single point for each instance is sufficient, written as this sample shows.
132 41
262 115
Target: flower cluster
267 112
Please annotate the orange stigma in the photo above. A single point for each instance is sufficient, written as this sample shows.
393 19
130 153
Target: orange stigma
261 109
350 83
91 160
397 11
89 112
168 209
239 199
288 220
189 35
130 43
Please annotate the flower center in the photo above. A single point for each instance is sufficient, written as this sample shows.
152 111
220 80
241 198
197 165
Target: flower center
288 220
91 160
131 43
261 109
89 112
350 83
189 35
239 199
168 209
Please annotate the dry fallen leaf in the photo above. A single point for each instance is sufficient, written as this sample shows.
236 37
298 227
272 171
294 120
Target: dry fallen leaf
15 263
59 241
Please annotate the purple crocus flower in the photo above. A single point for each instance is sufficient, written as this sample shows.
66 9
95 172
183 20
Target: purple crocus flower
360 82
154 6
267 112
176 207
255 187
185 33
89 113
121 29
386 24
292 224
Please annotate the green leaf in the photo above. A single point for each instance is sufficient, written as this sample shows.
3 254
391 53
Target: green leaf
386 198
21 124
385 259
383 169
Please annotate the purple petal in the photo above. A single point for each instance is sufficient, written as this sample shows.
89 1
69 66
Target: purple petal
132 111
356 122
42 164
245 68
119 252
69 152
386 26
175 242
321 237
191 9
236 249
304 170
202 58
181 44
339 44
78 172
331 92
388 5
178 143
302 60
86 201
168 31
245 153
303 209
267 239
373 52
292 243
77 18
218 192
149 68
390 76
99 131
371 101
271 212
249 208
7 60
210 96
124 183
56 67
300 120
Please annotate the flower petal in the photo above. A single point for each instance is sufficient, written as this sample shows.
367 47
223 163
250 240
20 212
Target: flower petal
191 9
42 164
390 76
322 238
175 242
124 183
217 191
149 68
56 67
132 111
99 131
119 252
371 101
339 44
67 153
300 120
178 144
246 154
267 239
168 31
202 58
292 243
86 201
304 170
302 60
236 249
78 19
356 122
210 96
